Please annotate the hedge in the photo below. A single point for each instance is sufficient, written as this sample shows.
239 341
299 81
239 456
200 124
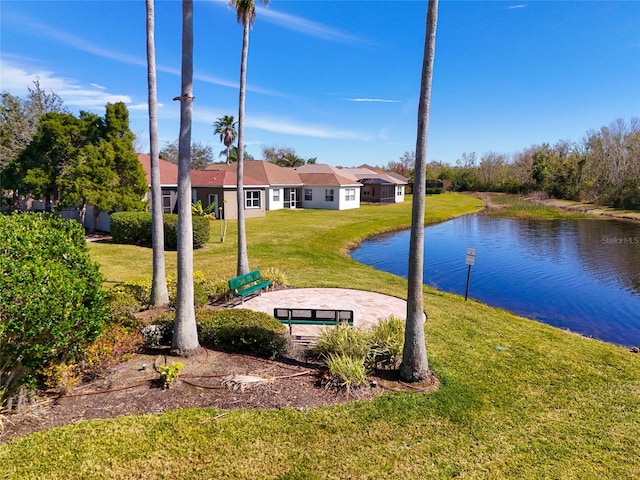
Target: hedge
134 228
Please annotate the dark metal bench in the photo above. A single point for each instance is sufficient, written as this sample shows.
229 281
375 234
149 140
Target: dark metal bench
312 316
247 284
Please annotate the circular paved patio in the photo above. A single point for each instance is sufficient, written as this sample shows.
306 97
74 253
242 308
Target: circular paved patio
368 307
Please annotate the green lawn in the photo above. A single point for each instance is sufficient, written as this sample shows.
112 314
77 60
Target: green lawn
518 399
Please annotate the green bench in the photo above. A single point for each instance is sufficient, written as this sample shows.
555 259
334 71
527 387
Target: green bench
312 316
247 284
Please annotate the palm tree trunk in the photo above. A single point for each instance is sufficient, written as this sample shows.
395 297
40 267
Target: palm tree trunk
415 365
243 258
185 333
159 291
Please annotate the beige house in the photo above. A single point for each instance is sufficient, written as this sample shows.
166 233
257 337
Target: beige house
209 186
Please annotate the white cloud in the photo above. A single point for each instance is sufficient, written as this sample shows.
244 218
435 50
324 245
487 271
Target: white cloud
371 100
139 106
292 127
513 7
17 78
298 24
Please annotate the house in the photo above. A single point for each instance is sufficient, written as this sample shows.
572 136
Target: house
324 187
283 187
209 186
309 186
271 187
375 185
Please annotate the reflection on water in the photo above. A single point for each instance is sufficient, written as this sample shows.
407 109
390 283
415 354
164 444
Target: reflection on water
583 275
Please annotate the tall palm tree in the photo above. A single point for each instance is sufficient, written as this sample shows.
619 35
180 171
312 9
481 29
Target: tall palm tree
246 15
226 127
159 292
415 365
185 334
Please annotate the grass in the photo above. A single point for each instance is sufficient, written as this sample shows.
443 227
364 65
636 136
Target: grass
513 206
518 399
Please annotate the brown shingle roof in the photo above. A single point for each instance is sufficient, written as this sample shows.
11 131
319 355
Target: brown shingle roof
199 178
328 179
266 172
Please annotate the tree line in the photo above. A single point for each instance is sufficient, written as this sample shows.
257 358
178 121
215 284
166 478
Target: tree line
67 160
603 168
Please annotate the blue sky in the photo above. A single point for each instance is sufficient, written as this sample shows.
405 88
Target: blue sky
340 80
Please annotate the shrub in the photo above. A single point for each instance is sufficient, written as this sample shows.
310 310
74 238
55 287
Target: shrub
159 333
219 291
168 373
51 300
123 306
242 330
60 377
342 340
131 228
276 276
386 340
139 290
115 345
201 288
201 227
134 228
351 353
346 371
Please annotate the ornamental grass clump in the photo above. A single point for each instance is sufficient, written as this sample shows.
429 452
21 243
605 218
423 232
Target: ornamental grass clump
351 353
346 371
386 340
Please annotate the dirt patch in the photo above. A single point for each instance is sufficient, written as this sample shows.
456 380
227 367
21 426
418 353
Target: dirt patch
214 379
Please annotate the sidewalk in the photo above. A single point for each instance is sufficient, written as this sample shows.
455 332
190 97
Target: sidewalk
368 307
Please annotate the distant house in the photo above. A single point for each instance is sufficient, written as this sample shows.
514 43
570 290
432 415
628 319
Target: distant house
376 186
208 186
325 187
283 187
271 187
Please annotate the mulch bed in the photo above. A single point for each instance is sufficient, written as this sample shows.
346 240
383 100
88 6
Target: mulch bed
220 380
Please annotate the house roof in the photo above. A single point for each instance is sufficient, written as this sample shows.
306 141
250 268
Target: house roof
221 178
199 178
376 181
328 179
168 170
266 172
398 177
353 174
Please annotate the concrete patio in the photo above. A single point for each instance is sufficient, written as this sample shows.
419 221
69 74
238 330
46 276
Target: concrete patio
368 307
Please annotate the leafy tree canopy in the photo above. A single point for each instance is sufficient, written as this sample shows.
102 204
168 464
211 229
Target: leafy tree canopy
284 156
201 154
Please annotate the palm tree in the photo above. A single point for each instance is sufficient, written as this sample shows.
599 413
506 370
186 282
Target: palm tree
415 365
246 15
159 292
226 127
185 333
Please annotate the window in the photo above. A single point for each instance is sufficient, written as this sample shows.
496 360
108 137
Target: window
276 195
166 203
252 199
308 194
398 191
328 195
350 194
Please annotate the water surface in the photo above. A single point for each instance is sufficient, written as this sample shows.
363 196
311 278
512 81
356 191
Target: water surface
582 275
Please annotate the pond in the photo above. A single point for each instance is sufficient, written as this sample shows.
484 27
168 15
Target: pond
580 275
